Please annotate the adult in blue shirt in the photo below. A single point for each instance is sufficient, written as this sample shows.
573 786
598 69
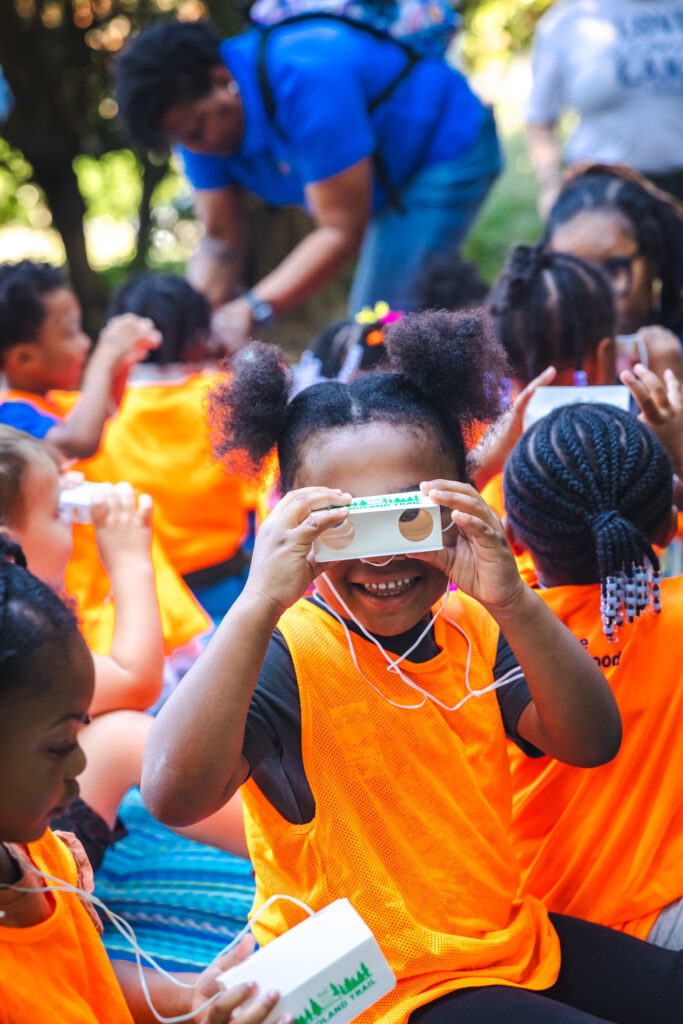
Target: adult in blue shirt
388 157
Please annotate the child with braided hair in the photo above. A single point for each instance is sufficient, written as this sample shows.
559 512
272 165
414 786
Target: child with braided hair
588 492
366 725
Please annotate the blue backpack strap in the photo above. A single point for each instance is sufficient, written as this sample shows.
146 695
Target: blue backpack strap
412 58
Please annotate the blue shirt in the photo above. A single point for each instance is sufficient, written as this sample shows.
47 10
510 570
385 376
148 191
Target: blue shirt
24 416
323 77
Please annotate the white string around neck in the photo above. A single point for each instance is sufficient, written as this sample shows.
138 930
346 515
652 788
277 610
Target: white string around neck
394 663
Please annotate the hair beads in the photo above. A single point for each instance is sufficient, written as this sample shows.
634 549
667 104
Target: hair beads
588 490
625 597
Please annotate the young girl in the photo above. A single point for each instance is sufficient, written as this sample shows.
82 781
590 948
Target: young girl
588 491
370 769
614 218
128 679
54 966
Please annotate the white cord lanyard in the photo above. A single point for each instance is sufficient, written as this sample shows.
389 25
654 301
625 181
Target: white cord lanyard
126 930
393 663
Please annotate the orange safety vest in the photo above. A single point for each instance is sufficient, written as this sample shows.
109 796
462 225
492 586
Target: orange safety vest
182 617
606 844
158 442
58 970
412 814
493 495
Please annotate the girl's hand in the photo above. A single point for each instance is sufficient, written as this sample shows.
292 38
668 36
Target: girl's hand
244 1003
479 560
283 565
661 407
123 529
488 458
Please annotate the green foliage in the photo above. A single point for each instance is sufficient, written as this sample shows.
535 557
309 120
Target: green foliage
499 28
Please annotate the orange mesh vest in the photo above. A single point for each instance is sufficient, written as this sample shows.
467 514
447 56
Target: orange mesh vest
606 844
58 970
182 618
158 443
412 810
493 495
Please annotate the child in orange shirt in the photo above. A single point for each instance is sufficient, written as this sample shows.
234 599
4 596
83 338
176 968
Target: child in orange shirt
588 492
368 731
43 349
54 966
158 442
128 679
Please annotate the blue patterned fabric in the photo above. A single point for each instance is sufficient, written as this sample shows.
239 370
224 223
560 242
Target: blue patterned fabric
184 900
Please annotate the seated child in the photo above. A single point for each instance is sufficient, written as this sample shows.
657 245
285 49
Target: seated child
364 725
54 966
128 679
158 443
588 491
43 349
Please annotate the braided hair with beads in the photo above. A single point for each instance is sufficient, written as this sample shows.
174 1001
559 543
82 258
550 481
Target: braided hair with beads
589 490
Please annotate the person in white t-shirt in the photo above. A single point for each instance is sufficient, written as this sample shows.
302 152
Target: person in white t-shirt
619 65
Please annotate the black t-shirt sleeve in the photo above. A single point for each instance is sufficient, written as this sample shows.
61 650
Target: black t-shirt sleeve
514 696
272 737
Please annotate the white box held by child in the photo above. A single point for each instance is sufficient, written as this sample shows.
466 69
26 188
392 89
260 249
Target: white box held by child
383 525
328 967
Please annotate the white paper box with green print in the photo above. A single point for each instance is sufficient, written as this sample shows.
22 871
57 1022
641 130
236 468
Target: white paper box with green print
383 525
329 967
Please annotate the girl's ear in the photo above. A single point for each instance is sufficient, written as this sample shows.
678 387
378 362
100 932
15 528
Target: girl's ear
669 530
518 547
18 359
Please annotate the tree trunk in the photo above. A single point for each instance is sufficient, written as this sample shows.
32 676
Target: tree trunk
68 209
152 174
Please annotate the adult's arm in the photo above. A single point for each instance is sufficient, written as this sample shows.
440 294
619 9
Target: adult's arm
216 266
341 208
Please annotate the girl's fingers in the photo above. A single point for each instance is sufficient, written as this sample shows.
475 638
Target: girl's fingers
296 505
468 501
126 496
145 506
642 395
321 519
228 1003
252 1011
525 396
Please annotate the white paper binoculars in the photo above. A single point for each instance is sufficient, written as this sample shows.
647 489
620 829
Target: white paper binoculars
383 525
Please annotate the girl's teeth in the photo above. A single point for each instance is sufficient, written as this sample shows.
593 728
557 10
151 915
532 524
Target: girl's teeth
391 585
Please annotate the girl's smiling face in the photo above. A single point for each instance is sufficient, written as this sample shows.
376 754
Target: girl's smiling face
380 458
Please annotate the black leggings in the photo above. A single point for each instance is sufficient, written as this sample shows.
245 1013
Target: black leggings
604 976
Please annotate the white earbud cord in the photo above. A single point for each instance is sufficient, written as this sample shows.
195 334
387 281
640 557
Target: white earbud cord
393 664
126 930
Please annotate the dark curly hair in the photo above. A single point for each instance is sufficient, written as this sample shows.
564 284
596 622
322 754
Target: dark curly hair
550 308
23 286
589 490
165 65
443 374
447 281
657 226
31 615
179 311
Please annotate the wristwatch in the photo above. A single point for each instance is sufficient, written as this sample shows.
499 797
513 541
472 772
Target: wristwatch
261 311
